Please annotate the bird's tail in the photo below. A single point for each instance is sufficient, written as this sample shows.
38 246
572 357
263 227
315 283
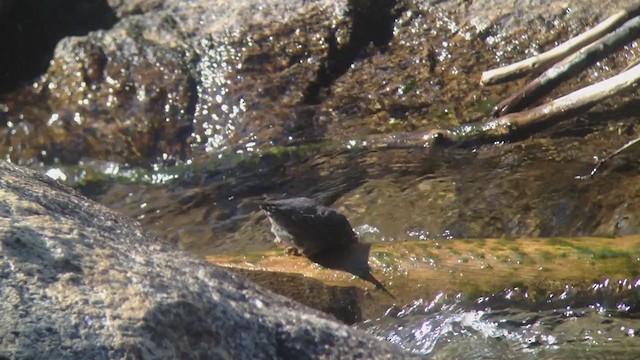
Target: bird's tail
367 276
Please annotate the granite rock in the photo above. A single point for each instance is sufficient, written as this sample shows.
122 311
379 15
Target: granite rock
78 281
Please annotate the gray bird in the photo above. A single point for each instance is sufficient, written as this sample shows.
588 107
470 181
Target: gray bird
307 226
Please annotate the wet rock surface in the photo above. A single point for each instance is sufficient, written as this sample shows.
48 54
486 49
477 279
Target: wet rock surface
171 79
510 190
80 281
239 95
182 114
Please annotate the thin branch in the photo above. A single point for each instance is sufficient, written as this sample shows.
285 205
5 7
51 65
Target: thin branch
571 66
524 67
577 100
508 125
632 64
609 157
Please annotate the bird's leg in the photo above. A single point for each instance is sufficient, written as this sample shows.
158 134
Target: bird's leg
289 249
292 251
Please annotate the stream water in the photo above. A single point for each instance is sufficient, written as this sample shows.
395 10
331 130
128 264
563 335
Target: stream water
522 189
285 110
593 325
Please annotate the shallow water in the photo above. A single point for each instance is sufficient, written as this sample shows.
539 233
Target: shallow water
504 190
593 326
508 190
206 203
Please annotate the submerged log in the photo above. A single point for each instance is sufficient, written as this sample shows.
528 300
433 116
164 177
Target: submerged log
421 270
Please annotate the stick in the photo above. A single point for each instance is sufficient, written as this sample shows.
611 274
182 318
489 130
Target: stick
523 67
577 100
609 157
508 125
570 66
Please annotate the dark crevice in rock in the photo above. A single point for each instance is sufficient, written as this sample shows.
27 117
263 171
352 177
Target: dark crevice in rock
31 29
187 129
371 25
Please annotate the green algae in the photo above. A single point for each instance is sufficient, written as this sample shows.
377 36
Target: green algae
253 258
602 253
546 255
483 106
558 242
388 260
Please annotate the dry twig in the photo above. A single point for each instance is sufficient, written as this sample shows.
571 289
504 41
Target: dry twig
625 147
570 66
543 60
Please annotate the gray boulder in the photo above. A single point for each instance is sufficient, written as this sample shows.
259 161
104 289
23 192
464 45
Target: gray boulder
78 281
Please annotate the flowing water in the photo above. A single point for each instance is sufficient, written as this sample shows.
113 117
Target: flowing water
522 189
271 148
592 325
529 188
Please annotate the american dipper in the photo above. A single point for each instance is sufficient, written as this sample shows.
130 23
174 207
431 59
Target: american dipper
318 231
307 226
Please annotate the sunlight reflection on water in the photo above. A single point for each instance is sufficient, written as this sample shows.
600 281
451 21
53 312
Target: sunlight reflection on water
450 328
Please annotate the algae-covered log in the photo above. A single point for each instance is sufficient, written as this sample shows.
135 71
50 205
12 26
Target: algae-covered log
420 270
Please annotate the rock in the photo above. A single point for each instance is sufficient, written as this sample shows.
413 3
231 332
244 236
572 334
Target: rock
78 281
31 29
193 82
174 74
172 77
